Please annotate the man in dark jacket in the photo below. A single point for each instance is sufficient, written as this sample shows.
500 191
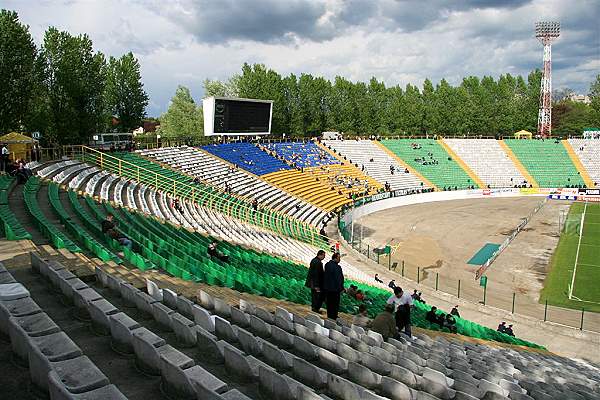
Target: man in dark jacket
314 281
333 284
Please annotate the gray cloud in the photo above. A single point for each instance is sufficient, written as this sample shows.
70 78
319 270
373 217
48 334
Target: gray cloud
256 20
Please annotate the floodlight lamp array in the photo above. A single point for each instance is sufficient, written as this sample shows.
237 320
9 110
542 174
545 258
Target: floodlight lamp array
547 29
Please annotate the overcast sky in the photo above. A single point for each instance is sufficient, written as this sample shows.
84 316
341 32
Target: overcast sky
400 42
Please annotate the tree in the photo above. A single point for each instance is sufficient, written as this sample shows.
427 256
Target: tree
430 123
571 118
17 58
73 78
183 119
222 89
124 92
595 98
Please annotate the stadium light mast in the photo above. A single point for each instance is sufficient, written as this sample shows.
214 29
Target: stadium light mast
546 32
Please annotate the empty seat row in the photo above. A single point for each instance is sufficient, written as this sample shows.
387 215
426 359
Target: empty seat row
588 151
376 163
488 161
56 364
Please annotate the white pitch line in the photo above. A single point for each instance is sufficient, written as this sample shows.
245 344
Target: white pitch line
577 254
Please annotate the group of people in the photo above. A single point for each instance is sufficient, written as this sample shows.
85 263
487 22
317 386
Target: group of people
326 283
443 320
505 329
18 168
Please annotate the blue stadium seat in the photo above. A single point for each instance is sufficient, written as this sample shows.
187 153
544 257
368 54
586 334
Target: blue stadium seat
303 154
247 156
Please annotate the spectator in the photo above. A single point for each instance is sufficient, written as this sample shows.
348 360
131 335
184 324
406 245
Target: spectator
196 180
395 298
109 227
377 279
509 330
333 284
314 281
22 172
255 205
362 319
455 312
384 323
4 158
502 327
404 304
214 252
432 316
177 206
360 296
352 291
449 323
417 296
392 284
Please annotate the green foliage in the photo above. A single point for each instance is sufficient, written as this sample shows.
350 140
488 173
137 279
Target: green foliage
595 98
308 105
17 59
64 89
222 89
74 76
125 97
183 119
570 117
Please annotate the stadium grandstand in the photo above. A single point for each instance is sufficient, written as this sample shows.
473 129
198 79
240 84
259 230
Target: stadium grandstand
87 318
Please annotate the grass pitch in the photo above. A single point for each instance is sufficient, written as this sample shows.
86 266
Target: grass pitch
586 293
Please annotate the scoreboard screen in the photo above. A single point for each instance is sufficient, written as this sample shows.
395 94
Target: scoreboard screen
231 116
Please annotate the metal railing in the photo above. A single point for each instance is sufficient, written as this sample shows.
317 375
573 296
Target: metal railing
209 197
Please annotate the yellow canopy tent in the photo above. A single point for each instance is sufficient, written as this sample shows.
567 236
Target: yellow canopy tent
523 134
18 144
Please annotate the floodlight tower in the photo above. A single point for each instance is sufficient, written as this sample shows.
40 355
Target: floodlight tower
546 32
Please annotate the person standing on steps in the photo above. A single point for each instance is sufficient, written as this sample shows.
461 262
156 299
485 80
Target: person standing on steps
333 283
4 158
314 281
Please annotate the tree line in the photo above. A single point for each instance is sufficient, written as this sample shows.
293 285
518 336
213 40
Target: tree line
65 89
308 105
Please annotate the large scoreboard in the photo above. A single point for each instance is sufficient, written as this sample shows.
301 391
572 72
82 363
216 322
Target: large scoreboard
233 116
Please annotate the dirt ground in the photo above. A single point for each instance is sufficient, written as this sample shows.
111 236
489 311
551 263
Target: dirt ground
441 237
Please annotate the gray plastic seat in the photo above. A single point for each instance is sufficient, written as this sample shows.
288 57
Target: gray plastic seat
22 329
58 391
46 350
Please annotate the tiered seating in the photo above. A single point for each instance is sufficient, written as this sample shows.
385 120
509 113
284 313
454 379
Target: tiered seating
327 187
221 350
248 156
135 196
588 151
55 235
183 254
429 158
301 154
547 161
488 161
11 227
57 365
218 173
361 152
182 186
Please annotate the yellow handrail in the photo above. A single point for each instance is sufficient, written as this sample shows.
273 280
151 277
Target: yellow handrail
274 220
